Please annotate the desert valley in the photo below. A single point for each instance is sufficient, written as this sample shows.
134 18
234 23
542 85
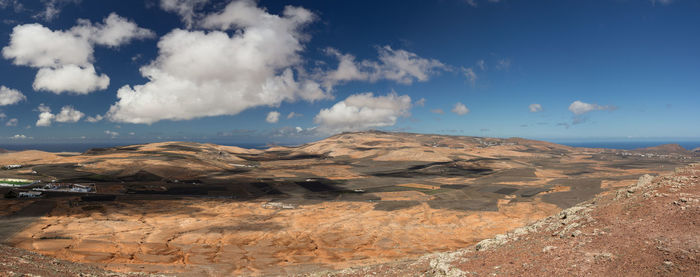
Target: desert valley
351 200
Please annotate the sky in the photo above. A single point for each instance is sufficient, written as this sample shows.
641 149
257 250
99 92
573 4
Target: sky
290 72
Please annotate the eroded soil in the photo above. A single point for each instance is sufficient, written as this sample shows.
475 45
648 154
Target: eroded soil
349 200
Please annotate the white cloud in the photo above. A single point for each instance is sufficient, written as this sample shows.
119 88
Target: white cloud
65 58
535 108
37 46
662 2
12 122
3 116
363 111
111 133
186 9
460 109
347 69
70 78
503 64
14 4
400 66
471 75
293 115
20 136
437 111
93 119
473 3
273 117
69 115
45 116
113 31
578 108
210 73
481 64
420 102
52 8
10 96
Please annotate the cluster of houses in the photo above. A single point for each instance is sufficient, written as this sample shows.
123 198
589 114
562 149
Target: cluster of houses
67 188
51 187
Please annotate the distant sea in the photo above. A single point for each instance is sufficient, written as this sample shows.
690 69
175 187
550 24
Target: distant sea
628 145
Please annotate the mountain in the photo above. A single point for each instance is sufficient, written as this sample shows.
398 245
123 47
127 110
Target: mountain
664 148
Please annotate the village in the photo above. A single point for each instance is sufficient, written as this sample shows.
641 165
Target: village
27 188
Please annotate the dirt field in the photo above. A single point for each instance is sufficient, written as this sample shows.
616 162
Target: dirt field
350 200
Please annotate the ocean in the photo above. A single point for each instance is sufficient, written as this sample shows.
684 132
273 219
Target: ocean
628 145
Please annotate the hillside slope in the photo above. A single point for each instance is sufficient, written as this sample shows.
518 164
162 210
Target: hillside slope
651 228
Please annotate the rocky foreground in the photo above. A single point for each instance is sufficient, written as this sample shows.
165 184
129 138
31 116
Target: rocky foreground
651 228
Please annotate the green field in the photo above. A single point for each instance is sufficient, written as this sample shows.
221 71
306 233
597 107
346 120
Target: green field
16 183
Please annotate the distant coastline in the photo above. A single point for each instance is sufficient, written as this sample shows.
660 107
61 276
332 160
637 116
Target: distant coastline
628 145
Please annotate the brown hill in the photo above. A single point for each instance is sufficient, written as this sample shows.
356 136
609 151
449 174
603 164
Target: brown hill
349 200
651 228
664 148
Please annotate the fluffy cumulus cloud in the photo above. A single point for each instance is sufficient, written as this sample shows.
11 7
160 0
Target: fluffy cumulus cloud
70 78
68 114
10 96
578 108
45 116
363 111
186 9
395 65
535 108
65 57
273 117
93 119
460 109
213 72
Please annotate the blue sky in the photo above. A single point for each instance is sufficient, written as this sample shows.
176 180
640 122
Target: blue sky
234 71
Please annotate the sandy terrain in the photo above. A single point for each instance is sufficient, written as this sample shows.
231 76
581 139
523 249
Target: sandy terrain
238 238
349 200
651 228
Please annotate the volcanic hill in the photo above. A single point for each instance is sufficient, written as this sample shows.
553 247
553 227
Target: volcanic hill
349 200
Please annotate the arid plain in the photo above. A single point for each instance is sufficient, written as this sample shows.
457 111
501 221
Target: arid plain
348 200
